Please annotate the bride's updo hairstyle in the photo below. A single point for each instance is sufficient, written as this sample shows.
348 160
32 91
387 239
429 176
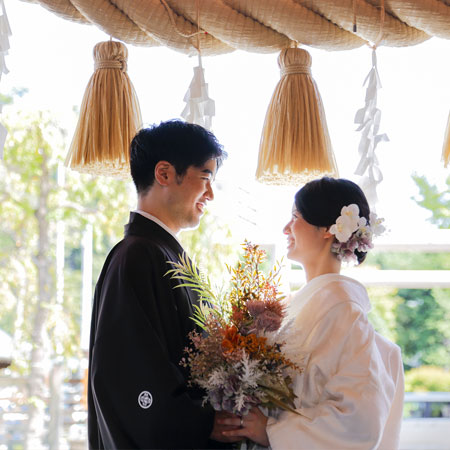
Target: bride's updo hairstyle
320 202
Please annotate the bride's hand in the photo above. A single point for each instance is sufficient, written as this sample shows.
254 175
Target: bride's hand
252 426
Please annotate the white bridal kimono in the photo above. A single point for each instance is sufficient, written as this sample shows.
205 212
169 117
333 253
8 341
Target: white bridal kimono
350 395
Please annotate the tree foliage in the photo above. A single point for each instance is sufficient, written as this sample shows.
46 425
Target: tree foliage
34 202
421 324
427 378
423 330
416 319
383 315
34 153
434 200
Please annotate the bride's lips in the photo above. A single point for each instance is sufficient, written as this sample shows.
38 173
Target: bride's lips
290 243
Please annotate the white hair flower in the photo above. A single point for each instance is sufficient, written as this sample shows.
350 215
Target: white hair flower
347 223
354 233
342 229
376 224
350 213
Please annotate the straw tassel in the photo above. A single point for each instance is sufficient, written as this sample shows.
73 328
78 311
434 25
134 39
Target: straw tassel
295 145
109 116
446 146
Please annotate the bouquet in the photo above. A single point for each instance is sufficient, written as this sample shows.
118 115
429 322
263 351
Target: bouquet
232 359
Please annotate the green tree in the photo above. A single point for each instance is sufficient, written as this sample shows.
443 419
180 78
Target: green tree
409 260
32 203
437 202
434 200
427 378
417 319
383 315
422 328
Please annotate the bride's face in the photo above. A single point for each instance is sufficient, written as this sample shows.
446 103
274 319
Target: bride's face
304 240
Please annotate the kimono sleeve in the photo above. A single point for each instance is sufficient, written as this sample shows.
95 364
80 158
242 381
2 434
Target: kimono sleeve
138 392
350 390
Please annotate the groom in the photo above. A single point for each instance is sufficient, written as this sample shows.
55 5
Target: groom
138 397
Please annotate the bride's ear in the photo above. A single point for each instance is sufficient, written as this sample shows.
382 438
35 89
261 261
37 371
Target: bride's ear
327 234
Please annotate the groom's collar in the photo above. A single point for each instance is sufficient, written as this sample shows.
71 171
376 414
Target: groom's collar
159 222
139 225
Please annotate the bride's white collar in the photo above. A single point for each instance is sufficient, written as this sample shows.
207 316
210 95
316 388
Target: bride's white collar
349 288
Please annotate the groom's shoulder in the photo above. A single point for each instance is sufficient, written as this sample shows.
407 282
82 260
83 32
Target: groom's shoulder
138 251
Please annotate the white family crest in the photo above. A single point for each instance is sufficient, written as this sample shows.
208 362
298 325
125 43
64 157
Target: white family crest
145 400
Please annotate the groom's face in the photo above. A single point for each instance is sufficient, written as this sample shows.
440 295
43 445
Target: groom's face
191 193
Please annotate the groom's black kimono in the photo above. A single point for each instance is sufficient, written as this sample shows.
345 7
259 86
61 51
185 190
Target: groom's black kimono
137 390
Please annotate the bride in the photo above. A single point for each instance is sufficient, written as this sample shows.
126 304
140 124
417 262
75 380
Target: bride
350 393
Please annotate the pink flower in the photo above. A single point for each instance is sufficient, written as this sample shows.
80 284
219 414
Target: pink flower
255 307
268 321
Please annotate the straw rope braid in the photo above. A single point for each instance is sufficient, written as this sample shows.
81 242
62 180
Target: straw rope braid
260 25
300 24
64 9
367 17
153 17
380 35
111 18
248 34
195 43
197 6
169 11
431 16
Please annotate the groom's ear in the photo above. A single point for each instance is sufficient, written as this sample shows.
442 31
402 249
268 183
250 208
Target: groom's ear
164 173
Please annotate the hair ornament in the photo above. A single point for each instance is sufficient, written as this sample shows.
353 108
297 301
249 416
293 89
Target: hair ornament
353 233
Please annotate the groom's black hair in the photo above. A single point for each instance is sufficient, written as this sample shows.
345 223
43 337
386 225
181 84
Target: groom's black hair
180 143
320 202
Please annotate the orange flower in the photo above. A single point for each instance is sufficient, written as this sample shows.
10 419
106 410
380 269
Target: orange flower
253 344
231 338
